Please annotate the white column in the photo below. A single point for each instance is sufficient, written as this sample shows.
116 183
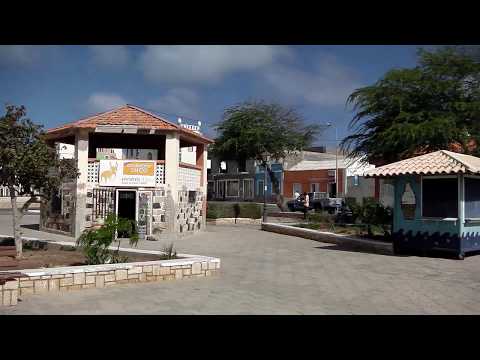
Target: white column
172 149
204 171
81 160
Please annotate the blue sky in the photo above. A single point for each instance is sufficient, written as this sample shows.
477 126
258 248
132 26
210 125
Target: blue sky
59 84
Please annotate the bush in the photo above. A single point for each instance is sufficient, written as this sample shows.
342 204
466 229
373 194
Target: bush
320 217
216 210
95 243
374 213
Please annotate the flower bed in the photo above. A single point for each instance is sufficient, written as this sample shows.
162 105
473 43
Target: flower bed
25 282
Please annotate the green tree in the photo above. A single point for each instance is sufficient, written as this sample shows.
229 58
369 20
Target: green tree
262 131
28 166
417 110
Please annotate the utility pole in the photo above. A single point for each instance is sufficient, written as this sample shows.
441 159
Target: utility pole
265 192
336 164
336 157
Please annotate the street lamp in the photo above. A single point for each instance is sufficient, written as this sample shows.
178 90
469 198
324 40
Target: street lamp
336 157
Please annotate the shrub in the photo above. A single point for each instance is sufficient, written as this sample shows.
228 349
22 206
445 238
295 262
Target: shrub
216 210
374 213
95 243
250 210
320 217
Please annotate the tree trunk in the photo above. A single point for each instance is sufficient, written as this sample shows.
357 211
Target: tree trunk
279 199
17 217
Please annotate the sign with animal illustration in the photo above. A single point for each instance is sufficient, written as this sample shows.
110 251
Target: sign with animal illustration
127 173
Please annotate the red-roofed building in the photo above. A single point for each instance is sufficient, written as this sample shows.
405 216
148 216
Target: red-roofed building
129 164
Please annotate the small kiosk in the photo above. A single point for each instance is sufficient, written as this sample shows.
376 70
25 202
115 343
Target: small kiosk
130 164
437 202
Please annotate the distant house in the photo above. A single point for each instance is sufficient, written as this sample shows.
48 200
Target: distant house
312 170
360 187
230 180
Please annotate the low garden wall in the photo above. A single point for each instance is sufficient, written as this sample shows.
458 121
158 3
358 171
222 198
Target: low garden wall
329 237
35 281
230 221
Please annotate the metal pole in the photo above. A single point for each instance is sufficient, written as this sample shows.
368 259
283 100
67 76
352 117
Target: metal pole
265 193
336 164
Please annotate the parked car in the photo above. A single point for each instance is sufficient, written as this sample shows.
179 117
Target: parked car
318 202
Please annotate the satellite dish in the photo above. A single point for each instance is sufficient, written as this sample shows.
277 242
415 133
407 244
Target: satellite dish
199 123
179 120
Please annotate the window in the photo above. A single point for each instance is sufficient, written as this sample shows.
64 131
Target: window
297 187
223 167
331 173
472 198
220 189
440 197
355 180
314 187
248 188
260 188
232 188
242 166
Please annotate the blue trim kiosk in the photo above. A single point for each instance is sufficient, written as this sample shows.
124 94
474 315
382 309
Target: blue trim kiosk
435 212
436 206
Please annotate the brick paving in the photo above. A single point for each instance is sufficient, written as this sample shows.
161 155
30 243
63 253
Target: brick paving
267 273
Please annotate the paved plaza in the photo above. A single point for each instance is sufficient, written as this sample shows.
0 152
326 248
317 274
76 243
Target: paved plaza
267 273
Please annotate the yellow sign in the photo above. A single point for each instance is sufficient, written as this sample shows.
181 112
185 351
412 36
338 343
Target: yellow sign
139 168
127 173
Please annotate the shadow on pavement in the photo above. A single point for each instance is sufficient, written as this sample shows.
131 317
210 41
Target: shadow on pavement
356 250
31 226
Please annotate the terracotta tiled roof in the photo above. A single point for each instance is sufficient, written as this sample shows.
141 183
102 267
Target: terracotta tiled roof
317 165
438 162
127 115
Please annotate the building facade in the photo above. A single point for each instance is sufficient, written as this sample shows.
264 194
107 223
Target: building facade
129 164
230 181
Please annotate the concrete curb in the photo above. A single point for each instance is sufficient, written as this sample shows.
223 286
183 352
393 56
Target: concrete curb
332 238
231 221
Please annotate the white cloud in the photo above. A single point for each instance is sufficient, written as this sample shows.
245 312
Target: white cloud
179 101
22 55
329 84
184 64
110 55
98 102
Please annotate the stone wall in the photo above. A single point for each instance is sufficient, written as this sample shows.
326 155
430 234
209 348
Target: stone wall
63 221
159 208
99 276
189 212
9 293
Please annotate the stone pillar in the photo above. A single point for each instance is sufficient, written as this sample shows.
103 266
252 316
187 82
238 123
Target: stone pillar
81 160
172 150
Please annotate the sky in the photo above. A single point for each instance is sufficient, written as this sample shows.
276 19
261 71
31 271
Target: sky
60 84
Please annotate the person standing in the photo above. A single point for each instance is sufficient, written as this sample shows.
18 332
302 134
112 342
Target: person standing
306 204
296 195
